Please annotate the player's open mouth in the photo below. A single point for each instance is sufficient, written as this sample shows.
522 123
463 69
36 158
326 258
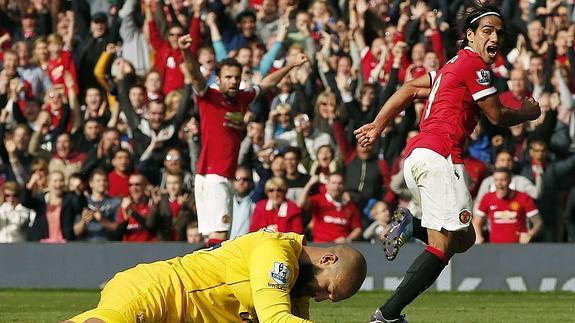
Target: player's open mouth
492 51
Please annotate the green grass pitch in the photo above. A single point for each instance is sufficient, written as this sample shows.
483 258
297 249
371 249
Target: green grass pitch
56 305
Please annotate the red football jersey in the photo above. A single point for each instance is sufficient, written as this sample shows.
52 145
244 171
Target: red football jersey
286 218
222 130
451 111
119 184
331 219
507 216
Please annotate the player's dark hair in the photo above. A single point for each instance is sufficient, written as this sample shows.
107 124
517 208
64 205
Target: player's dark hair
469 21
231 62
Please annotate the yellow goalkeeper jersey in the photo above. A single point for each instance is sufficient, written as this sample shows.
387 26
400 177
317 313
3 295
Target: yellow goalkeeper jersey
246 279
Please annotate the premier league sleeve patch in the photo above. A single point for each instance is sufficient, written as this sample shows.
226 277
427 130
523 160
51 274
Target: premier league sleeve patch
280 275
483 77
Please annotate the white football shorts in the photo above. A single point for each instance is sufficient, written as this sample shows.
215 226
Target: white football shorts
440 187
213 195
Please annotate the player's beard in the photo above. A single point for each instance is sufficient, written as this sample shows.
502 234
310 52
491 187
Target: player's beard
305 281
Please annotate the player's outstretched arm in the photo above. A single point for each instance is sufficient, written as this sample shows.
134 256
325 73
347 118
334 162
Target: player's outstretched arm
409 92
198 80
500 115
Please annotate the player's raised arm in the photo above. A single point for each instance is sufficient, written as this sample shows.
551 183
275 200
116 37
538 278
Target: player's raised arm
198 80
418 88
500 115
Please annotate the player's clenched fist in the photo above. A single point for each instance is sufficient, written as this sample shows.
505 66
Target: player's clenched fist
185 41
531 108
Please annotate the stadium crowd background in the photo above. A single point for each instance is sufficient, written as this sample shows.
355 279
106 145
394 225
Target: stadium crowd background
101 134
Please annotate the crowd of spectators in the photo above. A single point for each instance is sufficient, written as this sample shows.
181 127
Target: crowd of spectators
101 130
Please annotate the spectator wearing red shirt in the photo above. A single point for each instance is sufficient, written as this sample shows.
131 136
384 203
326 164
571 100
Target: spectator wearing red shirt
133 213
222 126
119 177
168 56
60 62
518 92
333 218
276 212
507 211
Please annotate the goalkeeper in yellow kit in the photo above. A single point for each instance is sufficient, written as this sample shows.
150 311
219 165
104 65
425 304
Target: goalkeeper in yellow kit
260 277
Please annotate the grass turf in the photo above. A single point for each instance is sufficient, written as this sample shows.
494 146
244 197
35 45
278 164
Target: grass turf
56 305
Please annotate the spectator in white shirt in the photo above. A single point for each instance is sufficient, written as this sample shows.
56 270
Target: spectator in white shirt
14 218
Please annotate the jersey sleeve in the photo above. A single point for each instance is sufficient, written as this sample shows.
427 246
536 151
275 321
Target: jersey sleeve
530 208
478 79
248 96
273 271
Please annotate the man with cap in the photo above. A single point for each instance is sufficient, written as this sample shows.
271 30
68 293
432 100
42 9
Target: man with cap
94 41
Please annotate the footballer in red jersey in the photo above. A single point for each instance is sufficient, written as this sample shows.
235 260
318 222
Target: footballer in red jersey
222 113
507 211
433 167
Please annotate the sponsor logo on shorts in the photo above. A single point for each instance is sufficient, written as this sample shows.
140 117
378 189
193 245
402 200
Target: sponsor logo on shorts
280 275
483 77
465 216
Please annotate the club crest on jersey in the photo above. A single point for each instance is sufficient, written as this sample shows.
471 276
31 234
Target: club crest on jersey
483 77
280 274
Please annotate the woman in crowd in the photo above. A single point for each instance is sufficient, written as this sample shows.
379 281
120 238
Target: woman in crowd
276 212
